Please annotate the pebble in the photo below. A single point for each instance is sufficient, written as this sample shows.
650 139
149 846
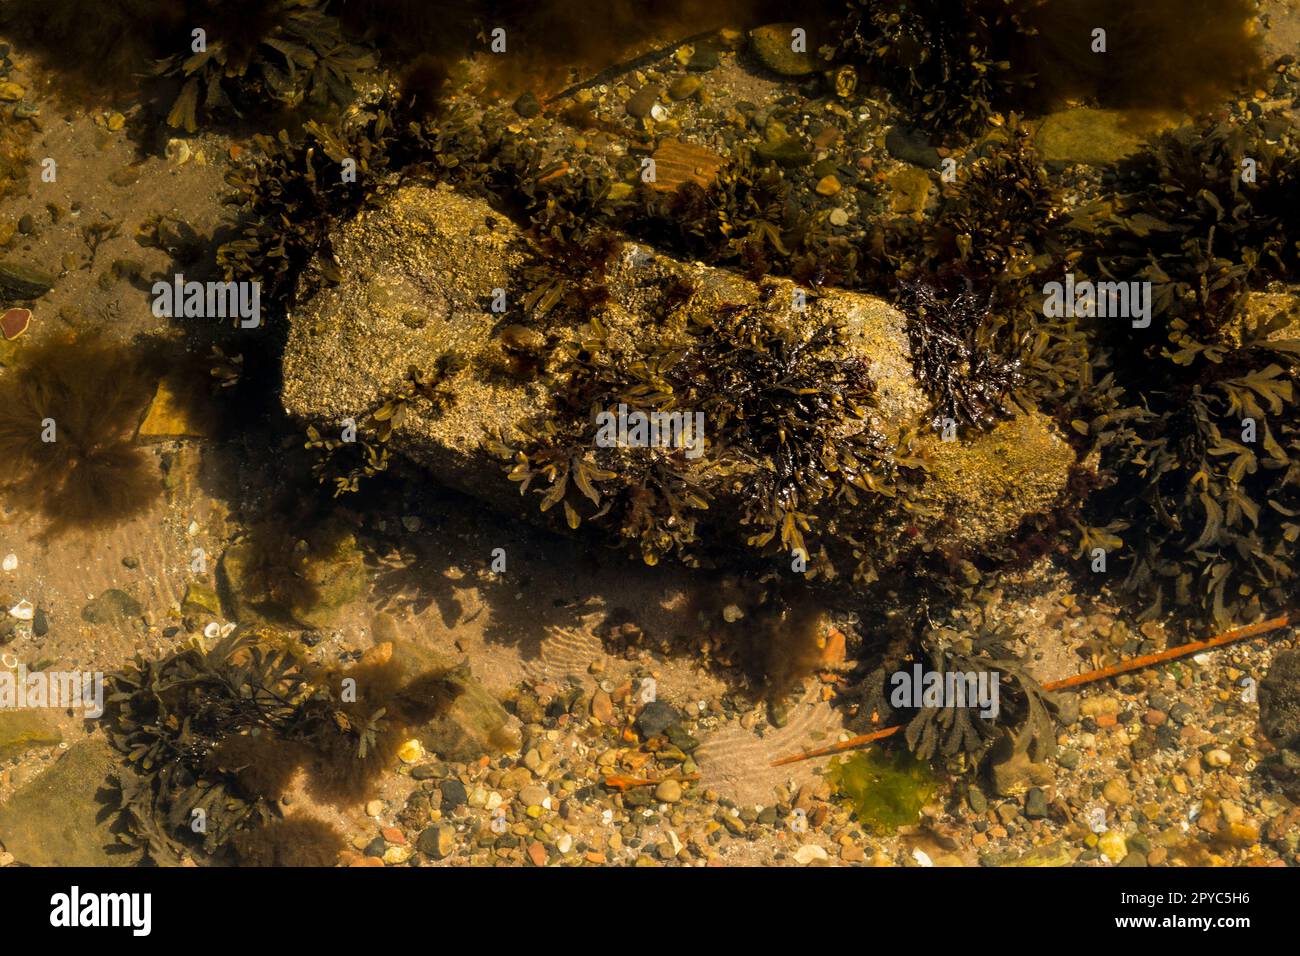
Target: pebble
644 100
396 855
10 562
655 718
410 752
602 707
1116 792
828 186
437 842
839 217
684 87
1217 758
533 795
668 791
1113 846
527 106
452 790
23 611
809 853
911 146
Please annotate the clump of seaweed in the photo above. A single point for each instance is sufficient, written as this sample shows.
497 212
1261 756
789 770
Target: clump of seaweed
361 450
287 52
954 353
971 645
291 841
979 340
949 64
68 416
218 734
947 731
1202 413
789 439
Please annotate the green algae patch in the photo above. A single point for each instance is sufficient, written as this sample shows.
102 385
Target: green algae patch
886 788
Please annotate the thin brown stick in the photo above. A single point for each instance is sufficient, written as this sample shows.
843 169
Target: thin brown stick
1137 663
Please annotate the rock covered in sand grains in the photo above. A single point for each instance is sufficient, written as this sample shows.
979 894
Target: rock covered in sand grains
419 272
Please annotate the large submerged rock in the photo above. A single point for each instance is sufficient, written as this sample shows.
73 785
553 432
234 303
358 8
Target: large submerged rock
417 278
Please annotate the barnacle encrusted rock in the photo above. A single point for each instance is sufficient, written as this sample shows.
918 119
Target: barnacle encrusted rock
419 272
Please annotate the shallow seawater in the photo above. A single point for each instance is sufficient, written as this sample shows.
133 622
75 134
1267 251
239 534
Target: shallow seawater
528 434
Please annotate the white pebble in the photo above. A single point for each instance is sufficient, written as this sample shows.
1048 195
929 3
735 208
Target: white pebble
23 611
10 562
921 857
806 854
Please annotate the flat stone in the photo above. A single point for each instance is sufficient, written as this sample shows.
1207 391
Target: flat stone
112 607
474 724
911 146
58 818
678 163
14 322
24 282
